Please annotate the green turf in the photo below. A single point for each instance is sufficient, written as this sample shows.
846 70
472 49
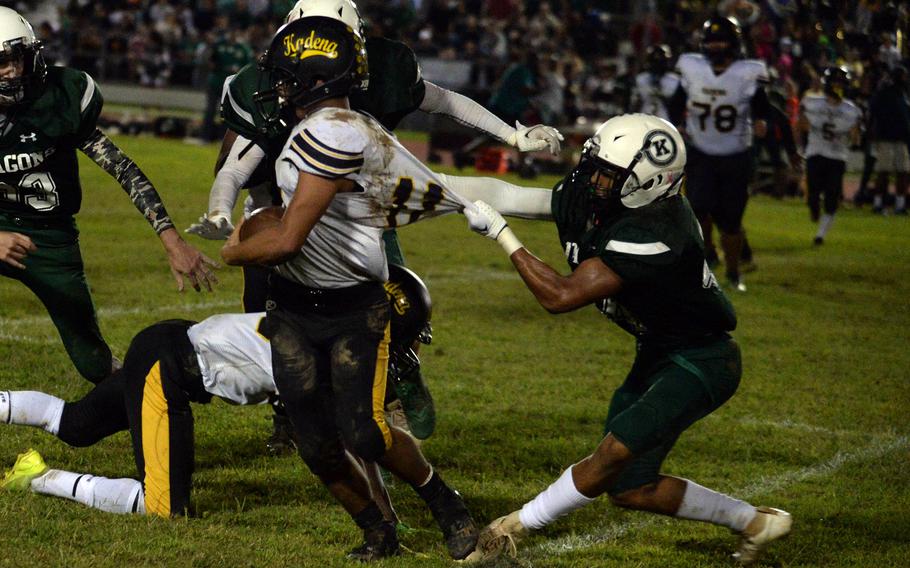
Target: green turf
819 426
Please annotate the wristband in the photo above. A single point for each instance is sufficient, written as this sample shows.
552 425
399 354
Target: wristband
508 241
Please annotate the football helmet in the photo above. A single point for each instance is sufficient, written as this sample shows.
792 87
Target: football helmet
19 44
309 60
836 81
633 159
342 10
410 318
657 59
721 40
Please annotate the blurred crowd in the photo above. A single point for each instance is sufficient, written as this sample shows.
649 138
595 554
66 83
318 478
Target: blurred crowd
544 60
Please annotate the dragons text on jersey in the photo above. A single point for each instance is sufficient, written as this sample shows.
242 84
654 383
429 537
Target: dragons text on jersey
39 173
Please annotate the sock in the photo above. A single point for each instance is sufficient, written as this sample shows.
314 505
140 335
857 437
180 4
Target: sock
557 500
431 489
119 496
703 504
30 408
825 225
370 518
877 201
900 202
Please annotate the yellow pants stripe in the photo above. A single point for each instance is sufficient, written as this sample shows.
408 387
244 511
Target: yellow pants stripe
156 445
379 384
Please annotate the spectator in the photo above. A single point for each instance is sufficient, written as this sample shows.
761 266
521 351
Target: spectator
889 114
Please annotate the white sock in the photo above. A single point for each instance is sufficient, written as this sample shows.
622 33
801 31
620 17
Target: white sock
703 504
877 201
824 225
900 202
120 496
560 498
30 408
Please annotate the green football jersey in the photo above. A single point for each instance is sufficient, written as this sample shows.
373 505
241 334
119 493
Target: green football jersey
396 89
39 172
669 295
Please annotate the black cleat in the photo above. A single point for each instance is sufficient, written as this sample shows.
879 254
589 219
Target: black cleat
283 441
818 241
380 542
458 528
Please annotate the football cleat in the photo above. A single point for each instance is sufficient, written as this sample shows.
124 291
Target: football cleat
283 441
28 466
768 525
735 283
499 537
458 528
818 241
380 542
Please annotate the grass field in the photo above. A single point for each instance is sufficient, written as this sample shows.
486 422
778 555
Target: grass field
819 426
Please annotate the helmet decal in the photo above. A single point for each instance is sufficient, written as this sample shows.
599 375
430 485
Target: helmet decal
660 148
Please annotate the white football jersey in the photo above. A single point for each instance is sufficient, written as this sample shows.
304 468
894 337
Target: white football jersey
654 93
829 126
718 111
393 189
235 359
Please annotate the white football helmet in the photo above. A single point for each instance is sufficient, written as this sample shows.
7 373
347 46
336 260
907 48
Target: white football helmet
343 10
637 158
18 43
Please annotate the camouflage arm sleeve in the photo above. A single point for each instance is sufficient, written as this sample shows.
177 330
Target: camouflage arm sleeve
106 154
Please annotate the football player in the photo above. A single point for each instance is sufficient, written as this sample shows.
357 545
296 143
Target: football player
344 179
46 114
655 85
725 103
832 125
635 249
168 366
395 89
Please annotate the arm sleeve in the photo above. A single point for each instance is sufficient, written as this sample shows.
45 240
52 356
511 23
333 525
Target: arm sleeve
329 149
239 165
510 200
464 110
142 193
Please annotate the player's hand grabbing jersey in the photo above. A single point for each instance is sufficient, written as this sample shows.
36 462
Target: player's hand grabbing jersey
718 107
39 173
669 295
829 126
393 189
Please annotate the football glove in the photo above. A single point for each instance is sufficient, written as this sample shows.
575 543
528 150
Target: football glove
485 220
535 138
216 228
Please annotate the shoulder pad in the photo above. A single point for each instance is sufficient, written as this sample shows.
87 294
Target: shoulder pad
688 62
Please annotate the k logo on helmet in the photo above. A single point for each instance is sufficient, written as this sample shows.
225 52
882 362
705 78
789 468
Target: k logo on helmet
660 148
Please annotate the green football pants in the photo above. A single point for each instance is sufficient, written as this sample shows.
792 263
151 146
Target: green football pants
55 274
664 394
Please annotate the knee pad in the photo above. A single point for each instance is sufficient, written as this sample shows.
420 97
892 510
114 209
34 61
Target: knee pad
325 458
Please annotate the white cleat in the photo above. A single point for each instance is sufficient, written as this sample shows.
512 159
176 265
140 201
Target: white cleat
500 536
768 525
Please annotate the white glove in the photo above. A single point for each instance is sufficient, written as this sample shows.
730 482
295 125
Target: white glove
535 138
217 227
485 220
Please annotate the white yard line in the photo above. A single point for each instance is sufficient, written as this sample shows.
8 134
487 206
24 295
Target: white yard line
24 339
878 447
6 323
